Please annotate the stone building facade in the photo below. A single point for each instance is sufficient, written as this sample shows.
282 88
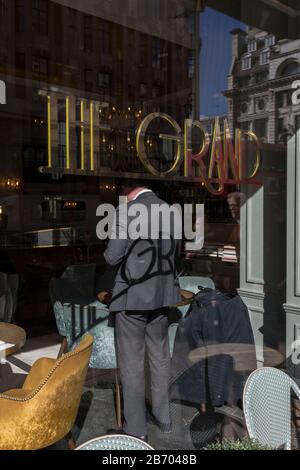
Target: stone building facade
260 85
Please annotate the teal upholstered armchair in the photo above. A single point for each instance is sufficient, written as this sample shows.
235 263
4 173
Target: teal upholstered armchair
77 312
190 283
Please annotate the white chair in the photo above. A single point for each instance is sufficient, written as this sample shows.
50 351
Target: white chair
115 442
267 407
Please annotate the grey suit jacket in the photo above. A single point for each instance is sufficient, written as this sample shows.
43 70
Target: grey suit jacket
148 267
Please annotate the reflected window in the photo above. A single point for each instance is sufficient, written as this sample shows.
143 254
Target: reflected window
261 77
88 76
261 104
244 126
20 61
246 62
143 89
244 107
19 16
260 128
3 9
191 66
40 16
280 125
40 65
244 82
252 46
292 68
88 34
104 37
156 54
144 53
265 57
270 40
281 98
104 81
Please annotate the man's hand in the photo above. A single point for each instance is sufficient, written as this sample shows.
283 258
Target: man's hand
104 297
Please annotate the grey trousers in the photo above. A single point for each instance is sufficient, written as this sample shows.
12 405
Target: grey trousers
137 332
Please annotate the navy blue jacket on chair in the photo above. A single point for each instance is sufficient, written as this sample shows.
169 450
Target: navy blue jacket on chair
214 319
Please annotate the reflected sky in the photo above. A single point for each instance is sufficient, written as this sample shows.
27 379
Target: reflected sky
216 58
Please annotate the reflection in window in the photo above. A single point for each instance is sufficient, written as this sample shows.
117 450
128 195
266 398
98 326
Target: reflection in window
246 62
62 144
3 9
244 126
191 66
156 54
104 81
261 104
40 65
261 77
156 91
292 68
280 125
40 16
88 34
265 57
104 37
281 99
88 76
20 61
143 54
260 128
252 46
20 91
143 89
244 107
270 41
19 16
244 82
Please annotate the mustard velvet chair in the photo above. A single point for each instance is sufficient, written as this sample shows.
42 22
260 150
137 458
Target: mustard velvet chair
44 410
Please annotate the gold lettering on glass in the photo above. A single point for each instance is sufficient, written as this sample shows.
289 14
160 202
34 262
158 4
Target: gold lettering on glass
141 146
219 160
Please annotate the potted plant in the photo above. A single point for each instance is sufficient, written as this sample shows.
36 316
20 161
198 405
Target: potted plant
244 444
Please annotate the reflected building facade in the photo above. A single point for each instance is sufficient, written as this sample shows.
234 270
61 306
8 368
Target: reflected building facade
260 85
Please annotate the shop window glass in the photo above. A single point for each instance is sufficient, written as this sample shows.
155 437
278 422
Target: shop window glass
79 83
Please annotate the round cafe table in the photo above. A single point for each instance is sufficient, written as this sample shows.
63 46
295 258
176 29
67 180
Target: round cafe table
12 334
244 355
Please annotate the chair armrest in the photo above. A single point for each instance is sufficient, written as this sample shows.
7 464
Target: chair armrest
38 372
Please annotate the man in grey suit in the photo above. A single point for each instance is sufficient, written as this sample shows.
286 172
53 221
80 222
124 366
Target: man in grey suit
145 286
